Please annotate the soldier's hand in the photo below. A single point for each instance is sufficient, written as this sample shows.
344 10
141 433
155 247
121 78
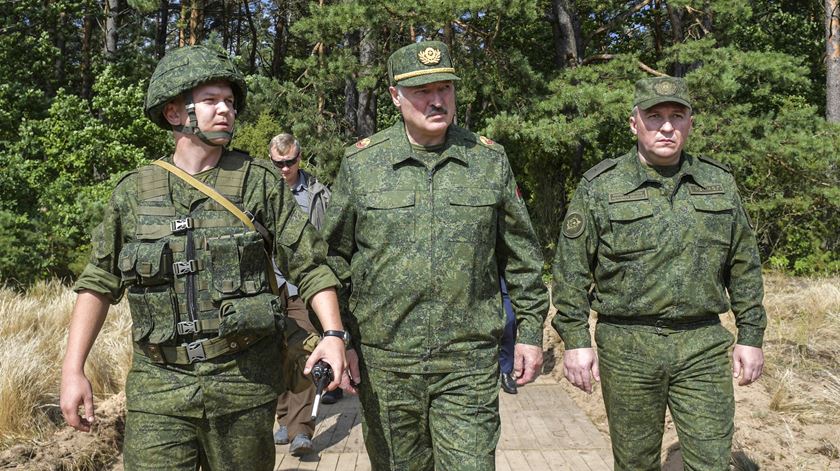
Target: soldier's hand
747 364
331 350
527 361
75 392
580 366
351 377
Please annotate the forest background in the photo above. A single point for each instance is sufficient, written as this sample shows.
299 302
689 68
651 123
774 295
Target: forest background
551 80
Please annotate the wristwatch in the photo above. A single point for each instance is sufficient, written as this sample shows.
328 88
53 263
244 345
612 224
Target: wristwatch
342 334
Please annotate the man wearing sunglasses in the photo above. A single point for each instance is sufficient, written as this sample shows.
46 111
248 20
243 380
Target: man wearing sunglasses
294 407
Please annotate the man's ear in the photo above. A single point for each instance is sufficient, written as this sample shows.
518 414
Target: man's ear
171 111
633 125
395 96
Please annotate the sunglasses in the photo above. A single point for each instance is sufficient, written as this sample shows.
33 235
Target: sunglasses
286 163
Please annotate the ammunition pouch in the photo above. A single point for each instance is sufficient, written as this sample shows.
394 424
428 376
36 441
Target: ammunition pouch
237 264
146 263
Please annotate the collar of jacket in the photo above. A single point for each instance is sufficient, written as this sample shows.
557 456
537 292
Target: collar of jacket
629 164
402 150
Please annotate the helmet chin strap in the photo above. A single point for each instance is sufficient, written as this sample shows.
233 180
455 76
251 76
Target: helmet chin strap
206 137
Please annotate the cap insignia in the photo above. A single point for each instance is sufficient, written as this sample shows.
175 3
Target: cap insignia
486 141
363 143
665 88
429 56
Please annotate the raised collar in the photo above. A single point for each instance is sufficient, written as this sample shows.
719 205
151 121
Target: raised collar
402 150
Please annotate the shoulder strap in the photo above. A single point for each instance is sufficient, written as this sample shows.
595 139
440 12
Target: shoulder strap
212 193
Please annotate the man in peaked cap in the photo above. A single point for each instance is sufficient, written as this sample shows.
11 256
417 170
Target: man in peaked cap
424 218
658 243
207 326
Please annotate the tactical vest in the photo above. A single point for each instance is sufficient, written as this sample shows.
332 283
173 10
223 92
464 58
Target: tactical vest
196 283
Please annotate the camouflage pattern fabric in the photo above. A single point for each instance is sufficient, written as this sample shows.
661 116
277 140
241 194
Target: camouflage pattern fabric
237 441
425 243
664 249
644 371
460 408
664 253
421 63
230 284
424 236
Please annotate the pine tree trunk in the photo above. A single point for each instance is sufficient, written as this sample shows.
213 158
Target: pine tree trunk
252 55
281 37
832 59
87 30
160 33
182 23
196 22
366 111
567 38
112 9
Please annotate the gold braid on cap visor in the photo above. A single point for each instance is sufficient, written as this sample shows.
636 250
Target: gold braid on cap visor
417 73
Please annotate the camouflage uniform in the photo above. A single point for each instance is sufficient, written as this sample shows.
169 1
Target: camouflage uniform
426 237
663 252
193 273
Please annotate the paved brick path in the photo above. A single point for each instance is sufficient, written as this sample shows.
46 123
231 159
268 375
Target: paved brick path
542 429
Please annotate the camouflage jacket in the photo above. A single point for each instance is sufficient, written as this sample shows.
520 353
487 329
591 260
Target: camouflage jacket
134 245
424 246
667 248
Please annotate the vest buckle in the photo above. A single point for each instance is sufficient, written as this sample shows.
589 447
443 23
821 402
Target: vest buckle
188 327
180 225
182 268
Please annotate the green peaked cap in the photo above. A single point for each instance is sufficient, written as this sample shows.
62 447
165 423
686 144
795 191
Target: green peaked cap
421 63
653 91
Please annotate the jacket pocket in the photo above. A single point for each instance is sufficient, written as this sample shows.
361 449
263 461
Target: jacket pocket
633 228
471 215
714 218
388 217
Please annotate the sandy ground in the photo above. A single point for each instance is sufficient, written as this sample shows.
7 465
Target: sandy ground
764 439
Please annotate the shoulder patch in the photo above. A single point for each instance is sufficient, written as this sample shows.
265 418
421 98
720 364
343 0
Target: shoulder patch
363 143
599 168
574 224
714 162
486 141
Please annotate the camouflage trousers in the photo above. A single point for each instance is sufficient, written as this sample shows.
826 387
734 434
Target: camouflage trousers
644 370
241 440
423 422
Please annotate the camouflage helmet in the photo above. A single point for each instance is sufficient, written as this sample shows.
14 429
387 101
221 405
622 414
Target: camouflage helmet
185 68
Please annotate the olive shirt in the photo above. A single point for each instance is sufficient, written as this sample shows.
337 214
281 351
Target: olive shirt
424 237
665 248
229 383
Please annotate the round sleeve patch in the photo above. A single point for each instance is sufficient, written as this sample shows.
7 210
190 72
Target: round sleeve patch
574 224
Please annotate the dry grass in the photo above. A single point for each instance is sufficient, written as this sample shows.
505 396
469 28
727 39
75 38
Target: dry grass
801 347
33 336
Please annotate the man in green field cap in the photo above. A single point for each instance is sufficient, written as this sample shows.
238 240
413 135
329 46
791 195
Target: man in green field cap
207 326
424 218
658 243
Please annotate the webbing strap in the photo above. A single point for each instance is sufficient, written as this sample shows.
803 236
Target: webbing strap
213 194
207 190
200 350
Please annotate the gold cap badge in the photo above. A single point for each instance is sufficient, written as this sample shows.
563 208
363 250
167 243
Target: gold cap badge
429 56
665 88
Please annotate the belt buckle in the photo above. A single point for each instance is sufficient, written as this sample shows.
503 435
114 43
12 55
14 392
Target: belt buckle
187 327
195 351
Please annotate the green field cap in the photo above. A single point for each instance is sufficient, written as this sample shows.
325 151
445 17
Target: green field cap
421 63
653 91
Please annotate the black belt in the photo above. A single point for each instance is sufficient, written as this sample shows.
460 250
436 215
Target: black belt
652 321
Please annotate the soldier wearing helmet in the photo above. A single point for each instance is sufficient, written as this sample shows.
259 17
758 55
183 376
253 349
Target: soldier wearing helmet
207 325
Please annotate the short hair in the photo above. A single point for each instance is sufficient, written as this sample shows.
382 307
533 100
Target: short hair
282 143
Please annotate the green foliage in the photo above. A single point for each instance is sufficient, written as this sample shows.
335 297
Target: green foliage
756 70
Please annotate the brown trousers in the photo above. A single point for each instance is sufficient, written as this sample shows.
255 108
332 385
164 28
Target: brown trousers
294 411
